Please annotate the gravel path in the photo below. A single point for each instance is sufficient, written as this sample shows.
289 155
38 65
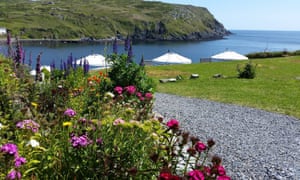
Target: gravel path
253 144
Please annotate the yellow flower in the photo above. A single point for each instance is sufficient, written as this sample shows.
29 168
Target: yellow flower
34 104
68 123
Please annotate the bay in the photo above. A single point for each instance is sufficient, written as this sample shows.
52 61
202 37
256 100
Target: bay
241 41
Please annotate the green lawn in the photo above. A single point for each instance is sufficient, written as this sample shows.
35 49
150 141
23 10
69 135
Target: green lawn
276 87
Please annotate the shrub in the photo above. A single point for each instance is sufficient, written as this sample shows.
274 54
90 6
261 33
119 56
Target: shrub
248 72
123 73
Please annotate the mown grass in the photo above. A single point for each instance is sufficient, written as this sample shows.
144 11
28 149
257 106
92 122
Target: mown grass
276 87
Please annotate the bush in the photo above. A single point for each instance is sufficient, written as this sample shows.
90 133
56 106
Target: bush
248 72
123 73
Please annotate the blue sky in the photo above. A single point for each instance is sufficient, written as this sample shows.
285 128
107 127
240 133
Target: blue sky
251 14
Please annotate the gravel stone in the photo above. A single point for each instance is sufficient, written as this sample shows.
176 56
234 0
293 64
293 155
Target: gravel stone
254 144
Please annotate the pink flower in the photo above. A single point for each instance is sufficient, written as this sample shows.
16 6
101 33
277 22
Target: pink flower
167 176
28 124
14 175
70 112
173 124
130 89
118 89
221 170
196 175
10 149
199 146
19 161
118 121
148 96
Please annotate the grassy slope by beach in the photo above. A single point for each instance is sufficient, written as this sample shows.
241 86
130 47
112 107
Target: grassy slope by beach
276 87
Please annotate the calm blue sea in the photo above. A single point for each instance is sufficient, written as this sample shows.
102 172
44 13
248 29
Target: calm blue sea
241 41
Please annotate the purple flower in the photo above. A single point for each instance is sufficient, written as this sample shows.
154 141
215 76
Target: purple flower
70 112
28 124
38 76
80 141
99 141
115 46
9 148
118 89
127 43
130 54
14 175
19 161
130 89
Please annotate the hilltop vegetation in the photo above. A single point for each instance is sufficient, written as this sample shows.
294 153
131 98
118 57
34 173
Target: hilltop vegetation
100 19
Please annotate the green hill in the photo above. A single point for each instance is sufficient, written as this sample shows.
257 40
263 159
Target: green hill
100 19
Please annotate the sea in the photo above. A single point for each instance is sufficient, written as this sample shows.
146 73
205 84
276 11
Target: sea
240 41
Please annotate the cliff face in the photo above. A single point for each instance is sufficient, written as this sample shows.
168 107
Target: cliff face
101 19
182 23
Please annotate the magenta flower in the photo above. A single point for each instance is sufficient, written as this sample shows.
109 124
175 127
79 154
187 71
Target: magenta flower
118 121
9 148
148 96
196 175
19 161
80 141
118 89
99 141
130 89
199 146
173 124
14 175
221 170
70 112
28 124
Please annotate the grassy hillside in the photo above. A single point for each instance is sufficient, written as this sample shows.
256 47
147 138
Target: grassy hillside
61 19
276 87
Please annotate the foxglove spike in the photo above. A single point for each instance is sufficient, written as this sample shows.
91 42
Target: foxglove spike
115 46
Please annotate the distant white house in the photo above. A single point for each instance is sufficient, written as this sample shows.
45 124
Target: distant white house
2 31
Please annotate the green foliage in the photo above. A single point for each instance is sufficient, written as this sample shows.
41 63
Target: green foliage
123 73
248 72
100 18
76 129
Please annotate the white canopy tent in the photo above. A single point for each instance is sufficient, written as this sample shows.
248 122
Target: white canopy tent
172 58
94 60
229 55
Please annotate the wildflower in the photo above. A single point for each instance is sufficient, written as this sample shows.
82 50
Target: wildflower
28 124
70 112
196 175
148 96
9 148
68 123
173 124
221 170
115 46
19 161
109 94
118 89
34 104
199 146
14 175
99 141
80 141
118 121
33 143
130 89
167 176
